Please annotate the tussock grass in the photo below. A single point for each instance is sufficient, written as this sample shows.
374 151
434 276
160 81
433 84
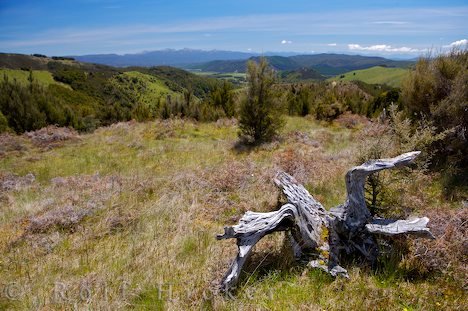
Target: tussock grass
126 213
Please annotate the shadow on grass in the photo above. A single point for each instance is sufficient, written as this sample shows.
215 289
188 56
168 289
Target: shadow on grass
243 146
276 265
390 267
279 265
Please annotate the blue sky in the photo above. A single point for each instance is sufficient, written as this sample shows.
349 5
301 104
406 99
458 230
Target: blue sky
74 27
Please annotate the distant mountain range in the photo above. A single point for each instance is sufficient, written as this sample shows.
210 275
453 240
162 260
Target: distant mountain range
315 65
169 57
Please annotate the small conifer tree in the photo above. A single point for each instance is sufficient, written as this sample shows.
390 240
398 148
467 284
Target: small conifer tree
260 114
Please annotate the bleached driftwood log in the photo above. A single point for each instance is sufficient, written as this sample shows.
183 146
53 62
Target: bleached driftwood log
327 235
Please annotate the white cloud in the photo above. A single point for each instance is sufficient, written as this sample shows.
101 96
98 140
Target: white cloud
390 23
332 44
421 23
345 23
383 48
457 43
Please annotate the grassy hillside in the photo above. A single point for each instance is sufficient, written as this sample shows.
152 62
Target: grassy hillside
85 96
224 66
302 74
134 208
146 88
332 64
375 75
21 61
43 77
179 80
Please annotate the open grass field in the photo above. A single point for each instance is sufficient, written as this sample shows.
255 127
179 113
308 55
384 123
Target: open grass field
126 218
234 77
42 77
375 75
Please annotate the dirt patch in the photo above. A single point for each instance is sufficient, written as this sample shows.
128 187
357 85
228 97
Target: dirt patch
52 136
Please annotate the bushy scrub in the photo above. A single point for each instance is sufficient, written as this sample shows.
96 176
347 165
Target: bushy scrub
387 138
437 90
327 101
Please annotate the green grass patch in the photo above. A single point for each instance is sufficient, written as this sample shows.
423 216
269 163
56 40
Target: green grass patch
375 75
42 77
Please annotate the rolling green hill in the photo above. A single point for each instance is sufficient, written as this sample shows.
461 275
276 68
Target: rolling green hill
324 64
179 80
43 77
333 64
280 63
375 75
146 88
82 95
301 75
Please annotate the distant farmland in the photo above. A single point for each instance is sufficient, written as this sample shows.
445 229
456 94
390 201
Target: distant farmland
233 77
375 75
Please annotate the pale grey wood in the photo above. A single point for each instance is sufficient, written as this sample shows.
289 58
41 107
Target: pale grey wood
356 213
416 226
310 217
349 227
251 228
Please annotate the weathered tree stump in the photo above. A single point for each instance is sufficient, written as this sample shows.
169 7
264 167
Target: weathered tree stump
327 236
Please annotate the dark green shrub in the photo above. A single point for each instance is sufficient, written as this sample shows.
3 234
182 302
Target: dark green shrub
20 106
221 97
299 100
260 114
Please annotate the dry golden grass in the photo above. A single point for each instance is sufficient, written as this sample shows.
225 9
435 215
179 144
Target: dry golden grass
114 219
